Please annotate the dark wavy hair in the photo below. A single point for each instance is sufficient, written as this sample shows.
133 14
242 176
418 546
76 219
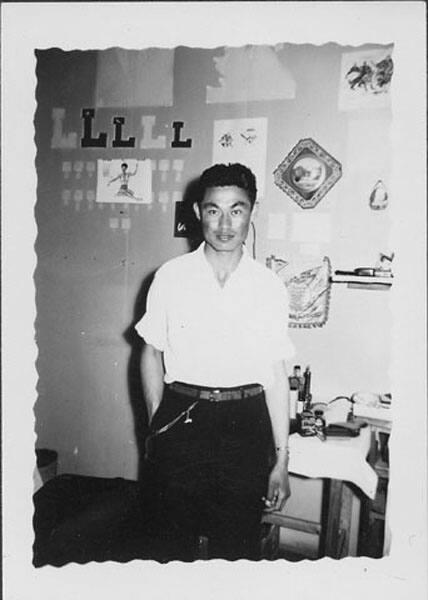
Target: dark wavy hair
231 174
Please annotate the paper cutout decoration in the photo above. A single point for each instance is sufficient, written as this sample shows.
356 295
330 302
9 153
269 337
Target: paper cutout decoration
90 167
78 197
163 200
164 165
251 73
308 291
365 79
78 168
66 197
178 166
243 141
90 197
124 181
379 196
125 223
66 169
307 173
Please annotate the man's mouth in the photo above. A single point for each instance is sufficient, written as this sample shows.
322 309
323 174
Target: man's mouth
225 237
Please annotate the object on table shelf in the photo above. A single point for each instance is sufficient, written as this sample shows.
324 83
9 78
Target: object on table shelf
320 426
338 410
307 396
364 272
307 416
307 422
364 278
381 270
372 406
295 383
344 429
384 264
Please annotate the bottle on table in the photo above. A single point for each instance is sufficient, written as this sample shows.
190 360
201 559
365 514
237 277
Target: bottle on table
295 387
307 396
294 384
307 417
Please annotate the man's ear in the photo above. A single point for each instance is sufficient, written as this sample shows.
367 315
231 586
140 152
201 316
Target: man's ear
197 210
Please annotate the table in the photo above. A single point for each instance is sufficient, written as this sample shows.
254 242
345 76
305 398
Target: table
336 458
339 462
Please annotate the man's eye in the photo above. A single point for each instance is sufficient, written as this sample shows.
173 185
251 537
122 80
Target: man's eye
236 212
212 211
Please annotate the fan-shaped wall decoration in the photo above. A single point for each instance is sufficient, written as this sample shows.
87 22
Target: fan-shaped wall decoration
308 290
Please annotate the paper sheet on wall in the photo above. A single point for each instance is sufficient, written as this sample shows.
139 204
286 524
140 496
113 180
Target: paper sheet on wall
134 78
365 79
243 141
374 136
251 73
130 185
276 228
311 228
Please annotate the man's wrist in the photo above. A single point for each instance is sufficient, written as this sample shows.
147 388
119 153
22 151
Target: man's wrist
282 454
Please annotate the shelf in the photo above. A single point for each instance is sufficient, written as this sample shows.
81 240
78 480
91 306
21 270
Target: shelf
363 281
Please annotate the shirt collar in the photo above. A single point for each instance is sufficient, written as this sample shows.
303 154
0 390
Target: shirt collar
244 258
244 261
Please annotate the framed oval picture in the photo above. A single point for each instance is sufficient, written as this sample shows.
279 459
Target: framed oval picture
307 173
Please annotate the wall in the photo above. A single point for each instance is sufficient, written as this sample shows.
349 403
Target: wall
91 280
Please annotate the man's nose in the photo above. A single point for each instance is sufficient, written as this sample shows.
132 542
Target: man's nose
225 221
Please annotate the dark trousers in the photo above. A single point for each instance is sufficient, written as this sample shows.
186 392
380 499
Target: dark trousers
208 476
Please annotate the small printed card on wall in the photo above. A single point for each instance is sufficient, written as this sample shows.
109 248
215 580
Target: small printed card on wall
124 181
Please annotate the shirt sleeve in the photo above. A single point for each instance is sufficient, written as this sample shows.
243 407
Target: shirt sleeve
282 348
153 326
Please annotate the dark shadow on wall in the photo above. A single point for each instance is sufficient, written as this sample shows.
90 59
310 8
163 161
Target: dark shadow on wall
193 228
135 389
136 343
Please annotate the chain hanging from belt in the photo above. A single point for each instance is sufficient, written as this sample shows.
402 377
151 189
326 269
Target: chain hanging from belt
165 428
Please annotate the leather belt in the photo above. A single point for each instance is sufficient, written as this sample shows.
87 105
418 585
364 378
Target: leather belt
216 394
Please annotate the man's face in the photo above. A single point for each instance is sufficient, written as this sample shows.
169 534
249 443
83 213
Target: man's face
225 215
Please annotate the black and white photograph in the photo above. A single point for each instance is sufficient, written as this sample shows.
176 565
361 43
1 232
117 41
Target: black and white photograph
214 286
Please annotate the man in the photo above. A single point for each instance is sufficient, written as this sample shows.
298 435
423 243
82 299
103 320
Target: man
124 180
214 377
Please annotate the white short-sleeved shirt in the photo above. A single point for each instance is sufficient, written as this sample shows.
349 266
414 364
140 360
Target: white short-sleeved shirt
217 336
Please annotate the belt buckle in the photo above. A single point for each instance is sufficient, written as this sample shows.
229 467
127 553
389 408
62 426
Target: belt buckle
214 395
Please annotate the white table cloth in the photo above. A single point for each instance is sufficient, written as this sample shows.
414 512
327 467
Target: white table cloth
335 458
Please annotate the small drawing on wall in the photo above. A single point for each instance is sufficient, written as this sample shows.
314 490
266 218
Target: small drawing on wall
307 173
365 79
243 141
128 181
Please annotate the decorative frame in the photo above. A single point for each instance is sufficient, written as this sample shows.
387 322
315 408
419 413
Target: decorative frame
307 173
